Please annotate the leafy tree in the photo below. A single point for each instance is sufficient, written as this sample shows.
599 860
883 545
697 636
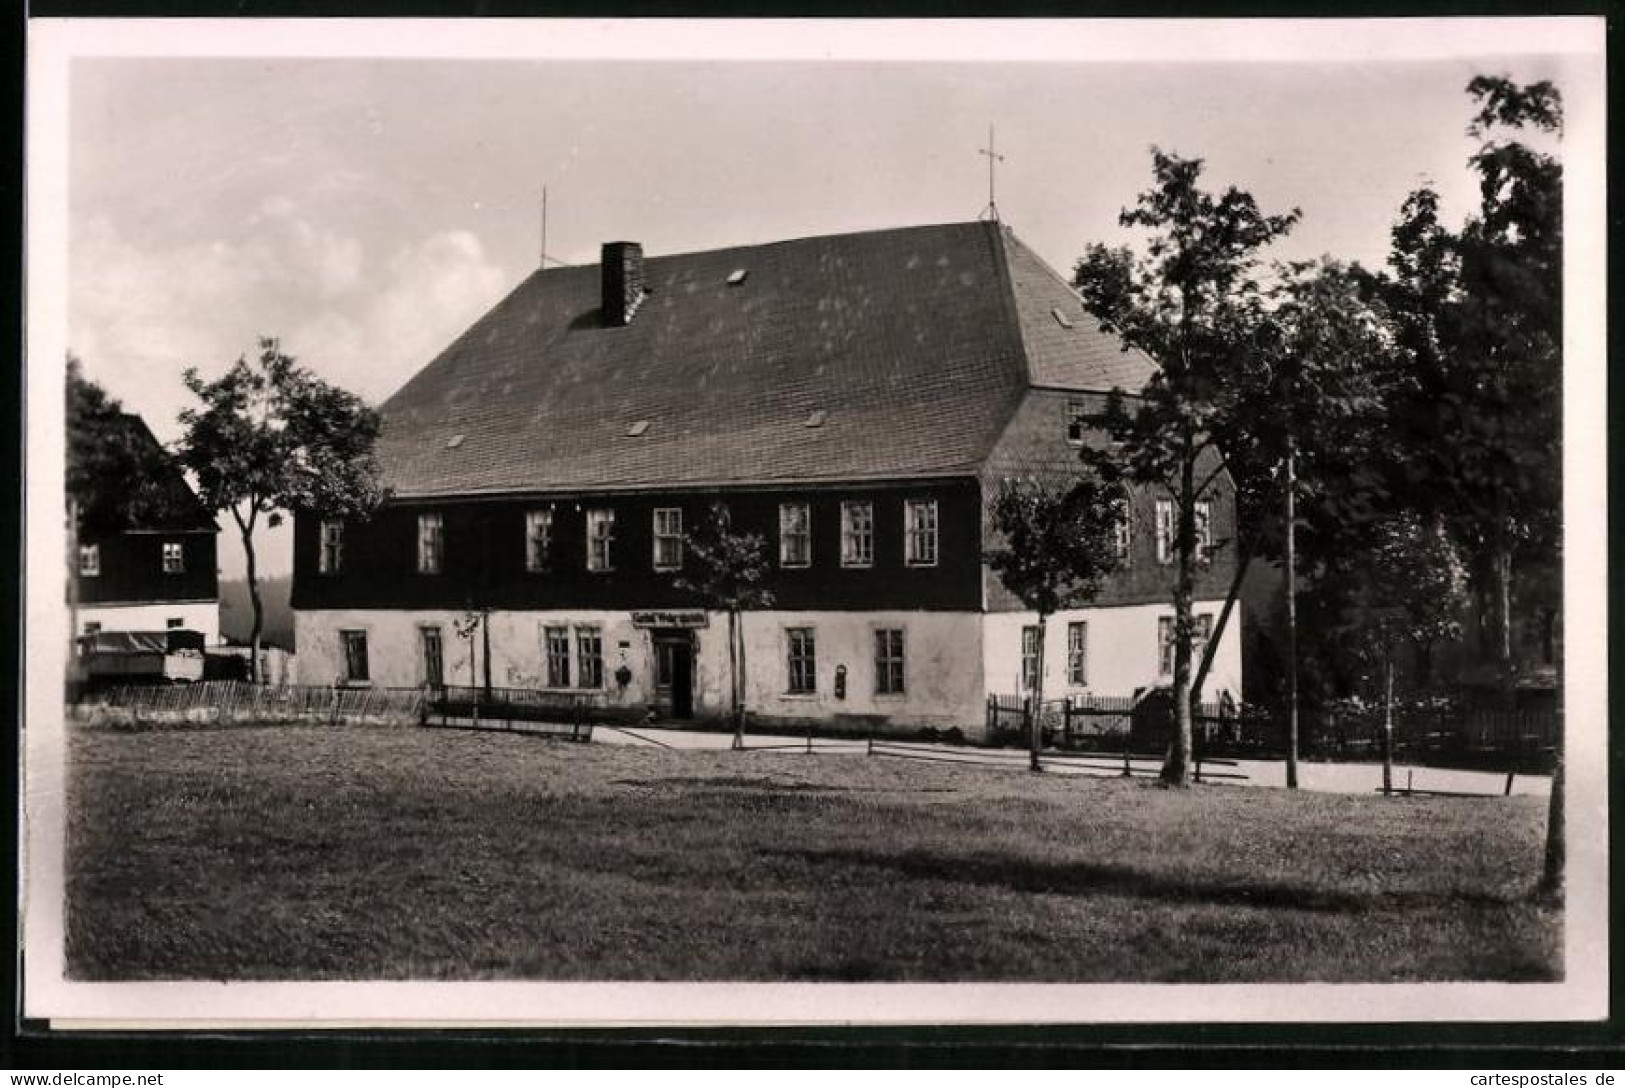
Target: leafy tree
730 574
1058 544
115 472
271 438
1482 311
1193 304
1408 590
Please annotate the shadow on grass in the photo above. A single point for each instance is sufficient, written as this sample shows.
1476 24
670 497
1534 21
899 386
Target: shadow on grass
1078 878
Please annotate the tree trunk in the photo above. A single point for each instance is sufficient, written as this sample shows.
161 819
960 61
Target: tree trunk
256 604
1388 723
1501 589
1553 874
1176 770
1291 614
485 645
1211 650
736 708
1035 729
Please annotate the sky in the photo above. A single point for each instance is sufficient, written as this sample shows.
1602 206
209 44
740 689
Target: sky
365 211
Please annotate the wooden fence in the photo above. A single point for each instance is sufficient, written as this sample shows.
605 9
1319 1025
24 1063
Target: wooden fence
567 714
234 702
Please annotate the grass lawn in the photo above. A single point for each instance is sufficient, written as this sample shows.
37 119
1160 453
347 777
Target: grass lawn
308 852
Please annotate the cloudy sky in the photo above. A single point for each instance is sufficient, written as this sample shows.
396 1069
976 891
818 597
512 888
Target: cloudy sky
366 210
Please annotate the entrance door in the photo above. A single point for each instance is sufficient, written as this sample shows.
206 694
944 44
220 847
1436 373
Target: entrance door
674 672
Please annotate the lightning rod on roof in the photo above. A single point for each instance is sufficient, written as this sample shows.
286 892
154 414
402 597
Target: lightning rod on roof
992 210
545 258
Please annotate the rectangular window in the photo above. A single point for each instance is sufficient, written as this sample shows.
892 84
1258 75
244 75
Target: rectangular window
889 661
1123 533
174 557
538 539
558 656
857 534
1077 422
90 560
355 656
92 627
1168 530
600 539
332 548
1165 642
590 657
1077 654
434 656
920 532
1029 659
803 660
1165 530
795 535
668 538
174 623
431 543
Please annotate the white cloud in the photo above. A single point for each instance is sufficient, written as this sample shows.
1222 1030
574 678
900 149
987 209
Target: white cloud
140 314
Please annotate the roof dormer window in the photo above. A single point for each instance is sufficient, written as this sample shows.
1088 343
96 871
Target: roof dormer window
637 428
737 276
1061 319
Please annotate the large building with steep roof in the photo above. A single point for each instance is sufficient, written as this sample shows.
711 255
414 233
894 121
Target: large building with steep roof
854 399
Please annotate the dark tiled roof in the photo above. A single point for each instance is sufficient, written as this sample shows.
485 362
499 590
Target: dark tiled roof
910 342
164 500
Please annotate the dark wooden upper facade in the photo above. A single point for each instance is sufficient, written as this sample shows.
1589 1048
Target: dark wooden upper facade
131 568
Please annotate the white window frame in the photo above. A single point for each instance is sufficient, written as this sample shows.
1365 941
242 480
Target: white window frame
1168 530
1165 641
853 535
1166 517
330 546
558 665
589 666
1204 530
1123 533
600 540
431 543
1031 664
670 535
1077 653
174 557
423 653
347 637
538 539
891 661
788 531
921 533
90 560
802 681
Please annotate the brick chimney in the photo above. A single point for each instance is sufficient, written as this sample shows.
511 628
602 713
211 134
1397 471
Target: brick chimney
621 269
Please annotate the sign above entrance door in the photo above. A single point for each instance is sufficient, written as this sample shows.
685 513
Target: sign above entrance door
683 617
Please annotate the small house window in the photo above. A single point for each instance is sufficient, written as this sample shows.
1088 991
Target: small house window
920 532
600 539
795 535
557 640
174 557
889 661
590 657
92 627
1077 654
90 560
1029 659
1168 531
434 656
538 539
175 623
431 543
803 660
1123 531
857 534
668 538
1165 642
1165 531
1077 421
332 549
355 656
